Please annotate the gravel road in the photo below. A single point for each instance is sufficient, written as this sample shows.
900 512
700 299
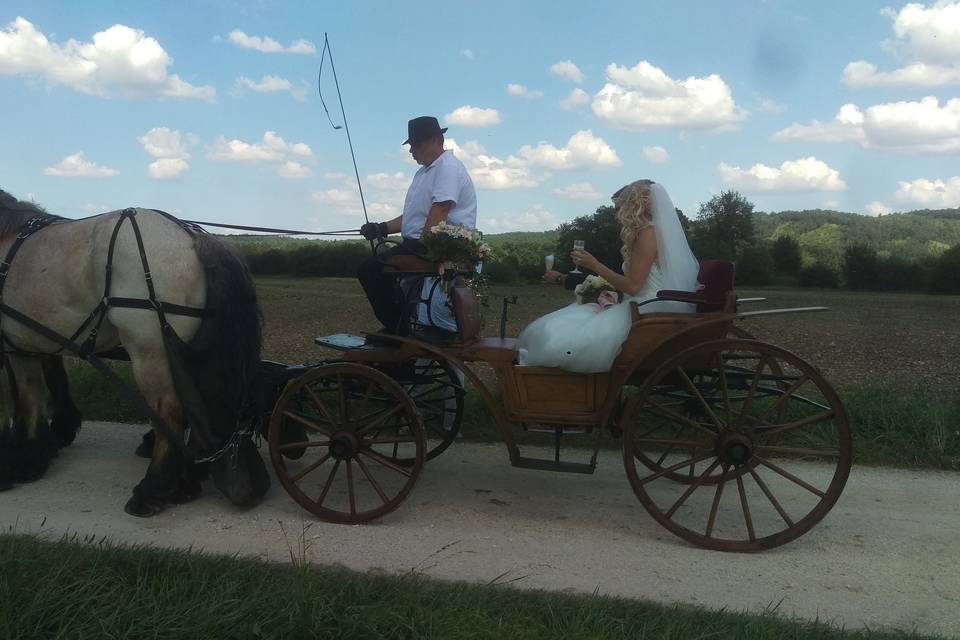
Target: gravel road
886 555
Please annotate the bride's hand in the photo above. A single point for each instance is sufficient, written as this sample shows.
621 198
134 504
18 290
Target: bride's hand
583 258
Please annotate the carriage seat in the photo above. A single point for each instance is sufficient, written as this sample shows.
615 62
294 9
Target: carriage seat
409 264
714 286
491 350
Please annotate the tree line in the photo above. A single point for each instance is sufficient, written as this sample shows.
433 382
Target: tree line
918 252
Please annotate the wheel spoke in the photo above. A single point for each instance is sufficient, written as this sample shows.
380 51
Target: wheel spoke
319 404
305 422
716 503
724 391
350 493
773 500
329 483
693 487
673 415
797 451
672 468
371 480
746 509
303 445
772 430
693 444
786 395
379 440
343 399
789 476
303 472
373 455
745 408
696 392
380 420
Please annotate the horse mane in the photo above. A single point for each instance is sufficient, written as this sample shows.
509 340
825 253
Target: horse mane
14 214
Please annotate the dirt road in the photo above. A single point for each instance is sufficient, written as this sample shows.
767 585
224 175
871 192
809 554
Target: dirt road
886 555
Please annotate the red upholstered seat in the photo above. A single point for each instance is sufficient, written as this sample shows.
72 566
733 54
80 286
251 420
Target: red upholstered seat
715 284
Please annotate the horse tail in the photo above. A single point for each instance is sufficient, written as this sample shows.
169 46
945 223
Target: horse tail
236 328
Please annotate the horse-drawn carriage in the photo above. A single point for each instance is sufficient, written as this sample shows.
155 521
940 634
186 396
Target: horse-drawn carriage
729 442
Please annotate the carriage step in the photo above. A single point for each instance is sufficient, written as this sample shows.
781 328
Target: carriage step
343 342
564 430
545 464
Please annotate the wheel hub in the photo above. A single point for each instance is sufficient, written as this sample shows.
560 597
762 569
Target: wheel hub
343 445
734 449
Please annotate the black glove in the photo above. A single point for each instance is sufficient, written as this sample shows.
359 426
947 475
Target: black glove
372 230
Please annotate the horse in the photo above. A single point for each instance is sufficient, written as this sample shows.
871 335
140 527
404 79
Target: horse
178 303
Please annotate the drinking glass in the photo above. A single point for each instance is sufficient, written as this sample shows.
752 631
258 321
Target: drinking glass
577 246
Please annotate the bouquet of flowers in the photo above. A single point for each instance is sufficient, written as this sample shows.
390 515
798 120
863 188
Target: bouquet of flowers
455 246
596 290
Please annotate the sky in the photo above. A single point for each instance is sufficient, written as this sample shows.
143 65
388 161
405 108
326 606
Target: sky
210 109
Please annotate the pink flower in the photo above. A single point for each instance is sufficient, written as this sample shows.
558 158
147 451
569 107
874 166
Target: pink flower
606 299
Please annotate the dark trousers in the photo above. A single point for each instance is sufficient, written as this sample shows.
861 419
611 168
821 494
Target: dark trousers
381 289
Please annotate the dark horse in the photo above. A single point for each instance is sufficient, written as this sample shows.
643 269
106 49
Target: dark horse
193 346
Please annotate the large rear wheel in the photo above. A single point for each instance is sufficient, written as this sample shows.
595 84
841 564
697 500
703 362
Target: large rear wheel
760 439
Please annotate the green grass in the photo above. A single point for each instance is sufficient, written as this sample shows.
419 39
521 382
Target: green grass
894 427
96 590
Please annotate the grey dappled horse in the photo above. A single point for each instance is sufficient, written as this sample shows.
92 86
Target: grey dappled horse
58 278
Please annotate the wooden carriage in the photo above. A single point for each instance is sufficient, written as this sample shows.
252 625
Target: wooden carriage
729 442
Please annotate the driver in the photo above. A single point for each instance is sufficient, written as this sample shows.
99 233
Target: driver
441 190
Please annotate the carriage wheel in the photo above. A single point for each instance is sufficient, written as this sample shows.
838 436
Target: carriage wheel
694 411
767 454
348 473
437 391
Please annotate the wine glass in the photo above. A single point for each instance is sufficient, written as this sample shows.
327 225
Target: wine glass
548 262
577 246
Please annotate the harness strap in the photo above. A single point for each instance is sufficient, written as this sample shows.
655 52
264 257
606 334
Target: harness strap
168 307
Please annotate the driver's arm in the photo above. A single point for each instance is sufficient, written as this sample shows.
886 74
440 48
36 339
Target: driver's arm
393 226
438 212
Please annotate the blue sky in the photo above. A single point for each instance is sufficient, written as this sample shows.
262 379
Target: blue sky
209 109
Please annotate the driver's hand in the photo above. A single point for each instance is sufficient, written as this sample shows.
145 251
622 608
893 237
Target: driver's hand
373 230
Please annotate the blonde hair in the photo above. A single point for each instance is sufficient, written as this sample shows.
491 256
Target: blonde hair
634 213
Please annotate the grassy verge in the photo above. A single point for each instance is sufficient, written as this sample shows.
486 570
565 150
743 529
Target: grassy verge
68 590
903 428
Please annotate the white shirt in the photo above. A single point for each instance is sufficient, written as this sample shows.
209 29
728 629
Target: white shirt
443 180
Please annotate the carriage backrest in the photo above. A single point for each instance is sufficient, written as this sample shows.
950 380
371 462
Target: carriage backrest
715 284
466 310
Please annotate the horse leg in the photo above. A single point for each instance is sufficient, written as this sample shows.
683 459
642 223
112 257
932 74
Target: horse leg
29 442
162 481
66 419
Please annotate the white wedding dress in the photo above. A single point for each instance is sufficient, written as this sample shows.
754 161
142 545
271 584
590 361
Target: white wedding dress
585 338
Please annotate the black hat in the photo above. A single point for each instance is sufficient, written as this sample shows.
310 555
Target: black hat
419 129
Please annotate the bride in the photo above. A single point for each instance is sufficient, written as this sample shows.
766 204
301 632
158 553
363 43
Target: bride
586 338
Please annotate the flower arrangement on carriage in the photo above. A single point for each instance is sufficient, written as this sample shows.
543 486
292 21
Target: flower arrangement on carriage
455 247
596 290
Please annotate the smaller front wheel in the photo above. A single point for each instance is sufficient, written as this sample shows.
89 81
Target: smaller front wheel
348 472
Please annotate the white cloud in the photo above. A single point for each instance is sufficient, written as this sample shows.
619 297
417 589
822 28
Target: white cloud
468 116
167 168
76 166
389 182
567 70
793 176
264 44
346 202
335 175
877 208
583 151
523 92
272 148
119 62
644 97
767 105
490 172
577 98
904 127
934 194
535 218
578 191
269 84
161 142
467 53
929 37
656 155
293 169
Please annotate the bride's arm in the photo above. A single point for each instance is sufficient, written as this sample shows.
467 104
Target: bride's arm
642 257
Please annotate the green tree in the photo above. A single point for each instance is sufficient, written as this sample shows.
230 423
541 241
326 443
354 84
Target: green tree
860 267
819 275
946 272
754 265
723 226
599 232
786 256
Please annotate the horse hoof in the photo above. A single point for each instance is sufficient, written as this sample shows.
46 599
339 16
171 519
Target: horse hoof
65 429
145 448
35 459
141 508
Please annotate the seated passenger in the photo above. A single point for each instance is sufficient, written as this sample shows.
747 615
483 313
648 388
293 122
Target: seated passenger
586 338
